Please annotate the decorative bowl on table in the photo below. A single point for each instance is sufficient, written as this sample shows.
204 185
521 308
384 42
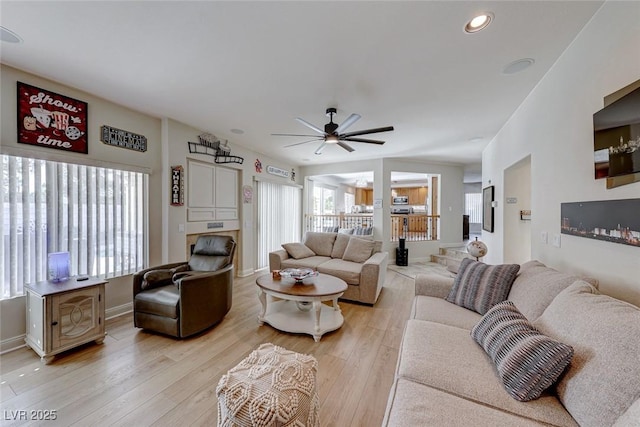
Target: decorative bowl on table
298 274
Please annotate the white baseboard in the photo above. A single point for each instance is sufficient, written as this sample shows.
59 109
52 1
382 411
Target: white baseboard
12 344
250 271
246 272
119 310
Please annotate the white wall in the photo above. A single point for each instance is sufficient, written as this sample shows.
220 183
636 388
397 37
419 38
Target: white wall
451 199
517 185
554 126
100 112
179 135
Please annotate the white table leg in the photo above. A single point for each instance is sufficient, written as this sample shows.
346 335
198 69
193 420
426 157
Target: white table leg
317 308
263 301
336 307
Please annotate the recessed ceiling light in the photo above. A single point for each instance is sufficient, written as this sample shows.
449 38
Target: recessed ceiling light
517 66
237 131
6 35
479 22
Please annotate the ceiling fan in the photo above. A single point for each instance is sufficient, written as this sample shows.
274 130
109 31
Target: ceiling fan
335 134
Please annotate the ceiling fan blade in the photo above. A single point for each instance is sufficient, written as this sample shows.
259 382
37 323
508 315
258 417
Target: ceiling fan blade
303 142
345 146
292 134
320 148
368 141
310 126
350 120
367 131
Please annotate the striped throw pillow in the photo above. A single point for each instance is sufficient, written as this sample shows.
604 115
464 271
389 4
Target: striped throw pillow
479 286
527 361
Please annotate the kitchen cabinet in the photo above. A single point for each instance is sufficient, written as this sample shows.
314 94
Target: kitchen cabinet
364 196
417 195
63 315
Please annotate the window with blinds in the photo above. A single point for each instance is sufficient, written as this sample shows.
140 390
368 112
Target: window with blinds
98 215
473 207
279 218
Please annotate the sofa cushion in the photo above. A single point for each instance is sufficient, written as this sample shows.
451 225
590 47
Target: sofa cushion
320 243
527 361
631 417
358 250
438 310
311 262
414 404
447 358
297 250
536 286
345 231
342 240
479 286
345 270
603 379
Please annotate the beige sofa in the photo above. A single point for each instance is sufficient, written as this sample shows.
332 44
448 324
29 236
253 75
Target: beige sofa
356 259
444 378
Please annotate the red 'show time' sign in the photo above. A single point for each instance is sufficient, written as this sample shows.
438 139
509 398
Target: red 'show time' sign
51 120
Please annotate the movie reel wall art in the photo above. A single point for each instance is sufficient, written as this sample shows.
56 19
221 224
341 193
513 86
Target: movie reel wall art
48 119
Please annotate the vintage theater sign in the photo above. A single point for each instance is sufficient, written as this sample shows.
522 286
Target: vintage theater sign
123 138
51 120
177 186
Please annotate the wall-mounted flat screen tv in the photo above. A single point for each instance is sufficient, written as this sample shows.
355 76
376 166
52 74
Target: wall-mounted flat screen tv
616 137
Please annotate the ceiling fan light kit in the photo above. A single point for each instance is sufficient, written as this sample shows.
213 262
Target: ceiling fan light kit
333 133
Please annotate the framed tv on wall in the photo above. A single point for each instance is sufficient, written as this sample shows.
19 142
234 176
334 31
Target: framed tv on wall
616 139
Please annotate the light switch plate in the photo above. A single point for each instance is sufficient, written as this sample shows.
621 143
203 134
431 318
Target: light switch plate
556 240
544 236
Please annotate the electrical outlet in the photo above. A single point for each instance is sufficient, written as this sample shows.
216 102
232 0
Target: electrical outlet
556 240
544 236
180 228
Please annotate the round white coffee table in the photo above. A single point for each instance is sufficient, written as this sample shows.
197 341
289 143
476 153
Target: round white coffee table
299 308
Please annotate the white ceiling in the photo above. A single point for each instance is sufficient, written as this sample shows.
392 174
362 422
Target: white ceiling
256 66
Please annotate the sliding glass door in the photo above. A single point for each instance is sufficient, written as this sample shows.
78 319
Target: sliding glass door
279 218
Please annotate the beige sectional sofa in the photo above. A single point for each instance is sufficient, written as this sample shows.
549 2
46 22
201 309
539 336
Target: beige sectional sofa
444 378
356 259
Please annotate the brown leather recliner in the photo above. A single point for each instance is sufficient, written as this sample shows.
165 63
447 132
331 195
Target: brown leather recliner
182 299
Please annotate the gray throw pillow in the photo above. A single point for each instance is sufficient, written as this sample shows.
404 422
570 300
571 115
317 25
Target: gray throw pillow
527 361
479 286
298 250
339 246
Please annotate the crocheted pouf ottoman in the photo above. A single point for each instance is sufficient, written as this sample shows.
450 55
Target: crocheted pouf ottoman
271 387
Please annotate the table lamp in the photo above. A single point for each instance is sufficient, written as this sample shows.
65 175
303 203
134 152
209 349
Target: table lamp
58 266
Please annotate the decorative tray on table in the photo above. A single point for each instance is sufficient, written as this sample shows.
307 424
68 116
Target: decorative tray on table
298 274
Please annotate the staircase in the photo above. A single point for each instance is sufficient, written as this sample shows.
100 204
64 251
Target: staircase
451 257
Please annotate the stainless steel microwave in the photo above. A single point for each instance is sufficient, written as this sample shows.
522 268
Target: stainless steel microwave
401 200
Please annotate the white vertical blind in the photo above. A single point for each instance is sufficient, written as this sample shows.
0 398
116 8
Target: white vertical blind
95 214
473 207
279 218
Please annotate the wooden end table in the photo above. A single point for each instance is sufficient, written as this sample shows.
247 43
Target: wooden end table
300 308
63 315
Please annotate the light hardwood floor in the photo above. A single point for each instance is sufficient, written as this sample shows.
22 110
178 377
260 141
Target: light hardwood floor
138 378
